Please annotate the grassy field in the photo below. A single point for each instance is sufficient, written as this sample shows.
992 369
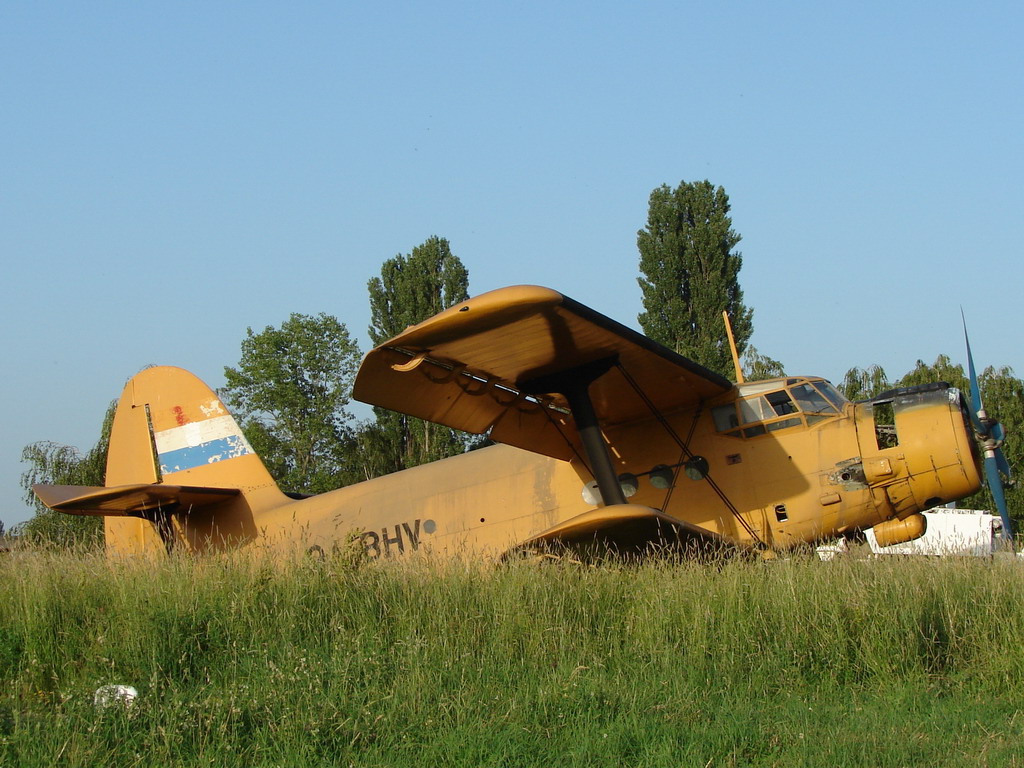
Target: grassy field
794 662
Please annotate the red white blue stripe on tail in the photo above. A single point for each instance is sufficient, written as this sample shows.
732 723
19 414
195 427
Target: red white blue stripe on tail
200 442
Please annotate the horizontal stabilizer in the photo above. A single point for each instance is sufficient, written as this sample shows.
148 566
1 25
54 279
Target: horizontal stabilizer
127 500
625 526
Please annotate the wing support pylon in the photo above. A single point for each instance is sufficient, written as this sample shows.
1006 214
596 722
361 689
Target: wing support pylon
574 385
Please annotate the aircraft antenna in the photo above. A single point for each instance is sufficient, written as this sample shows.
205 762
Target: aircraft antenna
732 346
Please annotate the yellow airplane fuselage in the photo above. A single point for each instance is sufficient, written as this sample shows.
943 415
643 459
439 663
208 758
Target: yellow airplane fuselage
779 481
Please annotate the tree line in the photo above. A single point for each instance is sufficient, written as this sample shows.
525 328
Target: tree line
290 390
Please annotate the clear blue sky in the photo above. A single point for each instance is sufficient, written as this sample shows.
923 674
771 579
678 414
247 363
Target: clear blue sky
173 173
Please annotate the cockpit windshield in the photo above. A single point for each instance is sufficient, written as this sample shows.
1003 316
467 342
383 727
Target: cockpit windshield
770 406
834 395
811 400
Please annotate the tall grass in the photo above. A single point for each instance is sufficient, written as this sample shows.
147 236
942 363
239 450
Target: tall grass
242 662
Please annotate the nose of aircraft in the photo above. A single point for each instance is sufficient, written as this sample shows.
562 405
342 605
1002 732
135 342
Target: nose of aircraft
917 445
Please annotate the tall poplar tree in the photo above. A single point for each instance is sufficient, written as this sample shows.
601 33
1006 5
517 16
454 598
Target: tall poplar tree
410 289
416 286
691 274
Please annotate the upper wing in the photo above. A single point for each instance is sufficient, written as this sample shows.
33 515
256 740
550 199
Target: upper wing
466 367
122 500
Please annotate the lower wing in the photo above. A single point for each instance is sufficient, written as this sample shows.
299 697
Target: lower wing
627 528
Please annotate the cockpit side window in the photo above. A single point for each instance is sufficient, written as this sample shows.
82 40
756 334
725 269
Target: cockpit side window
781 403
755 409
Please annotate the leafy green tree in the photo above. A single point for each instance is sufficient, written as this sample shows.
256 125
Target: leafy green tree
56 464
410 289
291 391
691 274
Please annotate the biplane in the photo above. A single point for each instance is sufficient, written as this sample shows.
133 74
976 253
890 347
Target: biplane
602 437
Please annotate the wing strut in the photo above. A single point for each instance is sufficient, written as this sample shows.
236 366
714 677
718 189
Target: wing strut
574 384
688 453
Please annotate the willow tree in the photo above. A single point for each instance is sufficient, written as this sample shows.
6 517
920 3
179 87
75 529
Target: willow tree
864 383
691 274
57 464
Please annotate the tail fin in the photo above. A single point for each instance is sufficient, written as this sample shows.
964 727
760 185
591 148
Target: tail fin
171 429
